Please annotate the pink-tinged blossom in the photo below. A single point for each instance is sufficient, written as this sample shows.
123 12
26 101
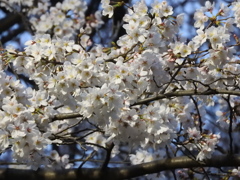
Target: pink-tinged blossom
194 133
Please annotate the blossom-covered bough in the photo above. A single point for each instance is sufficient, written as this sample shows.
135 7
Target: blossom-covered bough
143 100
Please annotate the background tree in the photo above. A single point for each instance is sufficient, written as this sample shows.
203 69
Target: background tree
122 95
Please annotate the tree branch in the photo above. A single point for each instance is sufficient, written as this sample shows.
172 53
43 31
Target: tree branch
66 116
108 156
158 97
186 93
122 172
9 21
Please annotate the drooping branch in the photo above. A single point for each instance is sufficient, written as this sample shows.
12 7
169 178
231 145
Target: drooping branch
122 172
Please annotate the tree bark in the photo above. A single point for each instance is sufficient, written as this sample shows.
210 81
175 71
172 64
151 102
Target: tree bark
122 172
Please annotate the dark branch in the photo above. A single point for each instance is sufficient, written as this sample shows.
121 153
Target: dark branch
108 156
9 21
121 173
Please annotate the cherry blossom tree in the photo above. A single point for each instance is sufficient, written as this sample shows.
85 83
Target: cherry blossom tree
147 103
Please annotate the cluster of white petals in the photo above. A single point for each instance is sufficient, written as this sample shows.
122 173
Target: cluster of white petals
150 90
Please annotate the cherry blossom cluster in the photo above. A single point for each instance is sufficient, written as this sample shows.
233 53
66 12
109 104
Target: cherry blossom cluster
62 20
148 91
22 123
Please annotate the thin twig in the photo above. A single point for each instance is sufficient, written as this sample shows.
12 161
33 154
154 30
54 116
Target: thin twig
89 157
